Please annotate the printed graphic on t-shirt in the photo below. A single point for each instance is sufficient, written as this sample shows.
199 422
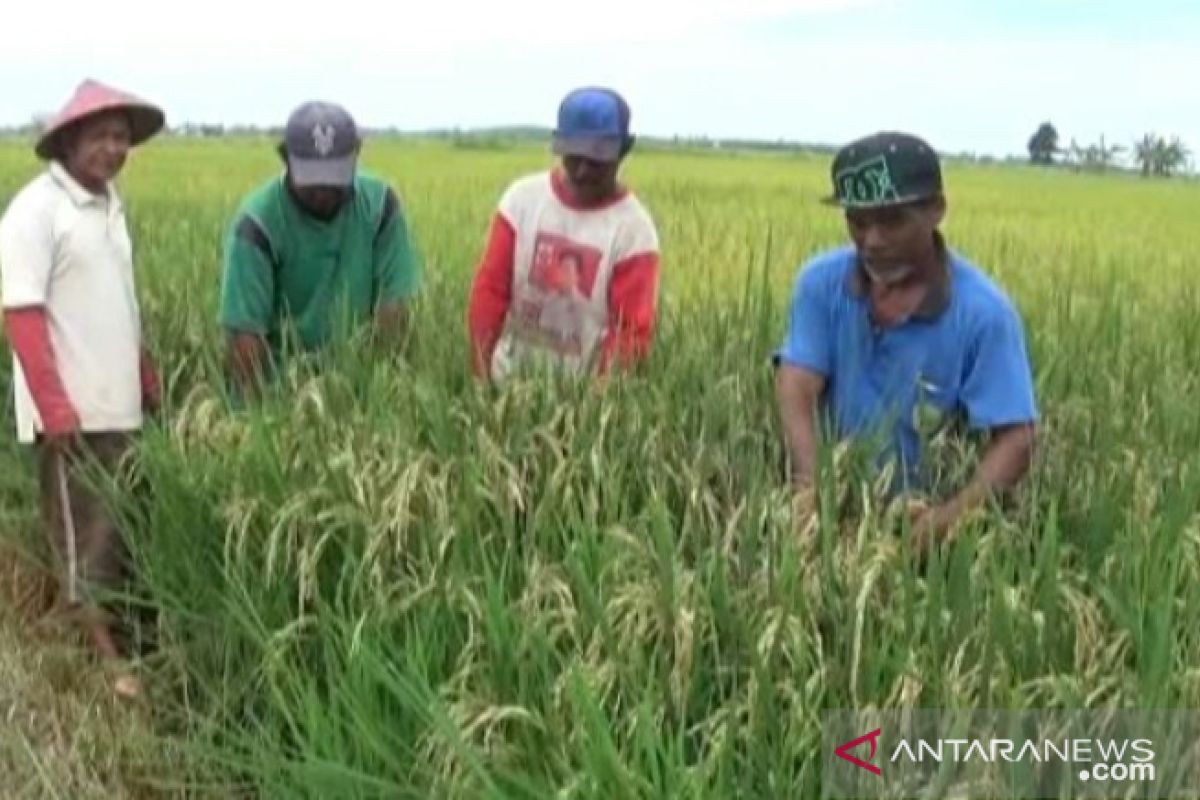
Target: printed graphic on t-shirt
563 278
562 266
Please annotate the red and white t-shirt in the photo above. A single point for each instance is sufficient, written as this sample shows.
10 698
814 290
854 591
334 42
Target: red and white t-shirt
572 286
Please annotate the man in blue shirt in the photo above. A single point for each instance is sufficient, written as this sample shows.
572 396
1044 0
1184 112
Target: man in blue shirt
897 327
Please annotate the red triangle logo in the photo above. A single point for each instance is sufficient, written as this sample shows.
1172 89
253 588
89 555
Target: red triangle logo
843 752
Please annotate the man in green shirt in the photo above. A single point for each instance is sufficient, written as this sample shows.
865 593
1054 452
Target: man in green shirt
315 252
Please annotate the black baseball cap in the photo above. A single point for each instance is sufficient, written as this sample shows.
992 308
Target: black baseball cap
885 169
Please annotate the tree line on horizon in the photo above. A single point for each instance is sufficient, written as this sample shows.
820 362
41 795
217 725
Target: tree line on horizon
1153 155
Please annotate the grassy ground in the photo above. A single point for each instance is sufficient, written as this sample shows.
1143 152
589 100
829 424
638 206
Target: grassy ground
62 734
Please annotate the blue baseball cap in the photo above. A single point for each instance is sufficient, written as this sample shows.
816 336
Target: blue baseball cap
592 123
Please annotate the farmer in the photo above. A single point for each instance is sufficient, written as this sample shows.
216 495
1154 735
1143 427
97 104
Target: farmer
82 377
897 327
315 252
569 277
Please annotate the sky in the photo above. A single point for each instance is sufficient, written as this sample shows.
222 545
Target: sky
968 75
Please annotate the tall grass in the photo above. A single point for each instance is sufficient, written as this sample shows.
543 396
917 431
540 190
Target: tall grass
387 581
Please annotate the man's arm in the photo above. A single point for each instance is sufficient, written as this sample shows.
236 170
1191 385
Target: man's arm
26 265
29 336
802 366
491 295
997 393
798 391
248 303
633 307
1004 463
397 274
392 322
247 358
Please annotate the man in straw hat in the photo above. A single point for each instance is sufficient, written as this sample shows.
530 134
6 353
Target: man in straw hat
314 252
569 277
82 378
897 329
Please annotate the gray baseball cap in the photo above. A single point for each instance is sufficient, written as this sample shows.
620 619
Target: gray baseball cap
321 145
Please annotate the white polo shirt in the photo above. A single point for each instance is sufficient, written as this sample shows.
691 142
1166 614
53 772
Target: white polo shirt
68 250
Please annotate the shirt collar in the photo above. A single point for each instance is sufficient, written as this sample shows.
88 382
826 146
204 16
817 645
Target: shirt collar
936 300
79 195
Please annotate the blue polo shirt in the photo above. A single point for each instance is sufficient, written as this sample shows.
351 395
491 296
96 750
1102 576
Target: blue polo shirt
963 354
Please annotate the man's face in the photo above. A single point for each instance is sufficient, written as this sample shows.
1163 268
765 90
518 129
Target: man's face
895 240
96 149
591 181
323 202
894 243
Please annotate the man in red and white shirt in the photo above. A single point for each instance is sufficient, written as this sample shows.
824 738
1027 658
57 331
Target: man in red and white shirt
82 378
570 275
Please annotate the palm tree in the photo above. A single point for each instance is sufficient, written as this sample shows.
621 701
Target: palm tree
1075 155
1101 156
1144 150
1097 157
1160 158
1175 156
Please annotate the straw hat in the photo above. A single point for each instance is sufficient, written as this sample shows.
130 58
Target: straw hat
91 98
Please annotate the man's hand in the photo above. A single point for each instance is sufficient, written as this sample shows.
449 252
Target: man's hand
247 357
151 385
61 432
480 362
932 525
391 328
61 443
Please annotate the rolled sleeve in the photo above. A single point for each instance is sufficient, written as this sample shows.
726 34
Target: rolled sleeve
248 284
809 340
997 389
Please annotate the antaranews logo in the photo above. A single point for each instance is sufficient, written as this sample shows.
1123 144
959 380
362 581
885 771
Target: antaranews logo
1103 760
1011 753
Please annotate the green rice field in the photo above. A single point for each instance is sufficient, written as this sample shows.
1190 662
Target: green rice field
388 581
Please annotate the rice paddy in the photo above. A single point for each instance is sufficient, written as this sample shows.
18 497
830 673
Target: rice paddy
389 581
